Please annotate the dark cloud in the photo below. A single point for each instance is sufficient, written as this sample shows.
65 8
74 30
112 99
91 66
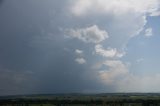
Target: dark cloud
1 1
33 56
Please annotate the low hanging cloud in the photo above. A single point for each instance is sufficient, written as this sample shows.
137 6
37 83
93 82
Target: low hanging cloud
92 34
138 83
119 76
116 69
109 52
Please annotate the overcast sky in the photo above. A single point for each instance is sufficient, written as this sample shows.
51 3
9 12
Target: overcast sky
84 46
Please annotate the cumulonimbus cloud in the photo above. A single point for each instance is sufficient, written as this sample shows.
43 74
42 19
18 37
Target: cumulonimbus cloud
128 17
124 20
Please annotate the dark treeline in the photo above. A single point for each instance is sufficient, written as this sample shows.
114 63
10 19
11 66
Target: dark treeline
114 102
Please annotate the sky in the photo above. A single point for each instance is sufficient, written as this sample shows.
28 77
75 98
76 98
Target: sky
79 46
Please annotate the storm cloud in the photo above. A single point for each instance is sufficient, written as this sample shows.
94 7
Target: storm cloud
54 46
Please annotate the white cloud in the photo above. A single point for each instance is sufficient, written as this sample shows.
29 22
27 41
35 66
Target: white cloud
90 34
124 18
148 32
117 69
80 60
78 52
116 7
118 75
109 52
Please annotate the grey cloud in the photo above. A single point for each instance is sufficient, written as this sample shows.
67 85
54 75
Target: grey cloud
1 1
32 50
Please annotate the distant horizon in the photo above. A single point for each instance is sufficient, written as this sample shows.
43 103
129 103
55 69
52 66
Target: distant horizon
51 94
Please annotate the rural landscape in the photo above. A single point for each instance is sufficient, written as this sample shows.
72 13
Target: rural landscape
106 99
79 52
